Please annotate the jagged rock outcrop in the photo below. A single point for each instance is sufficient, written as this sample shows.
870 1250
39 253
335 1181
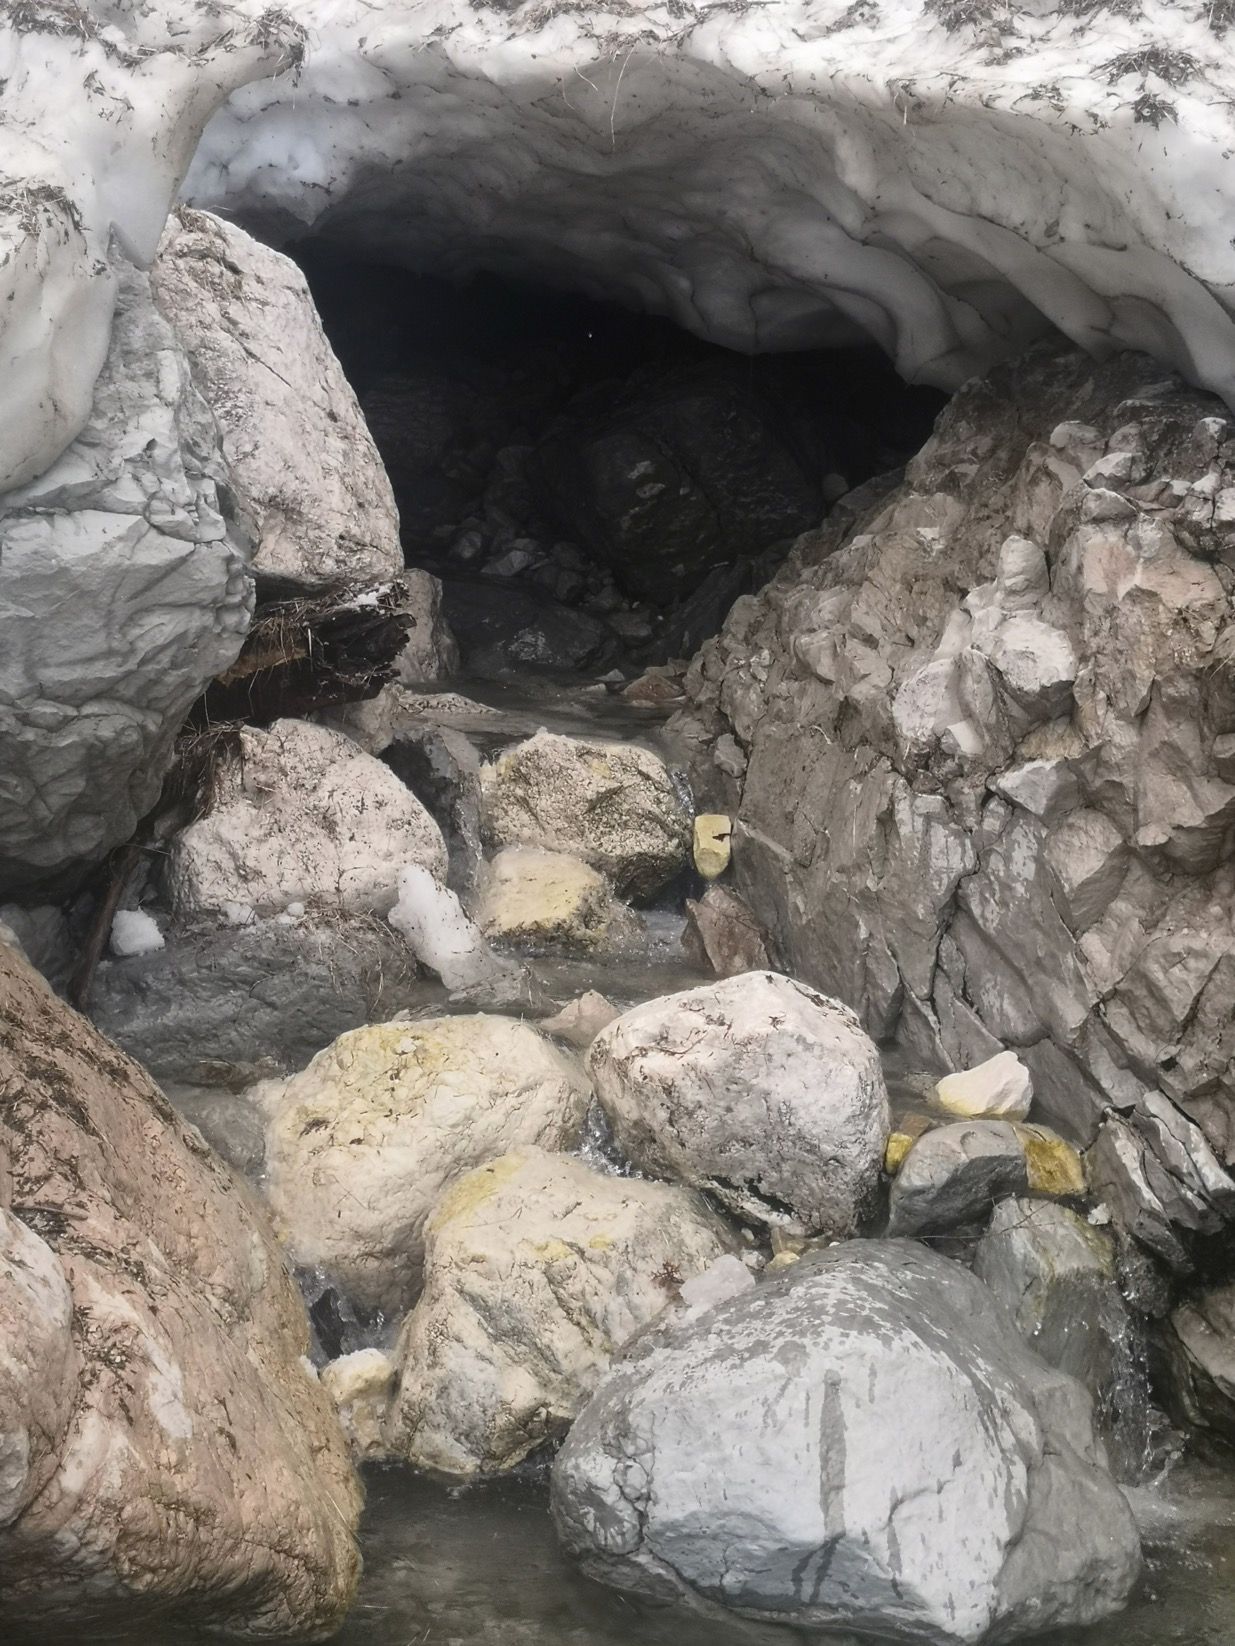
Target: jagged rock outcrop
988 798
123 589
165 1453
859 1444
303 465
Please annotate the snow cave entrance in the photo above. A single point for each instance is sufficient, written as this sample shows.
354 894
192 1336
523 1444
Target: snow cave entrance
595 487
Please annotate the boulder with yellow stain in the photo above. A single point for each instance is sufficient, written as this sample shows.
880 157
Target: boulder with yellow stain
537 899
613 804
360 1385
362 1143
711 849
1054 1166
537 1270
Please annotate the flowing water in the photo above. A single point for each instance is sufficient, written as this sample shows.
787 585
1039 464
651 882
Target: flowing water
480 1566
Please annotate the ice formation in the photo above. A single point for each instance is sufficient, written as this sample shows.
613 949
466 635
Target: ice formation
950 177
103 107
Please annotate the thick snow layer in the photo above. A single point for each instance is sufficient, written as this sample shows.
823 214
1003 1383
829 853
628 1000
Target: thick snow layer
102 108
949 177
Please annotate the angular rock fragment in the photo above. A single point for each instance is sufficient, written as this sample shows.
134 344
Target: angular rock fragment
955 1174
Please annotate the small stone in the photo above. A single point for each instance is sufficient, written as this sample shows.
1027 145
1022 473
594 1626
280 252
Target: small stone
713 833
721 932
582 1020
908 1130
782 1260
360 1385
954 1175
1000 1089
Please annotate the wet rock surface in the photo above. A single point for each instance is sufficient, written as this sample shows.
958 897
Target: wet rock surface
153 1360
720 1464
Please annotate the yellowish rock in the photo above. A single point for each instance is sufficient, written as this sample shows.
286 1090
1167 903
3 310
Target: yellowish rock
908 1130
713 832
782 1260
1054 1166
535 898
999 1089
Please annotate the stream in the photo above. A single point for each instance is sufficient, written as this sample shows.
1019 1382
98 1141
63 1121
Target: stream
480 1565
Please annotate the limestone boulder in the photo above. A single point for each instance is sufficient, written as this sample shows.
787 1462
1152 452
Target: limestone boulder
860 1443
303 464
759 1090
300 814
123 590
361 1385
362 1143
613 804
165 1455
953 1175
536 899
537 1270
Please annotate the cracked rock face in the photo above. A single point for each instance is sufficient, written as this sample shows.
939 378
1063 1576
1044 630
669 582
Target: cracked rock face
979 842
859 1443
758 1090
303 464
164 1453
123 589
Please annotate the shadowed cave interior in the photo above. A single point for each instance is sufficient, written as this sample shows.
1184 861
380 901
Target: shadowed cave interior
596 487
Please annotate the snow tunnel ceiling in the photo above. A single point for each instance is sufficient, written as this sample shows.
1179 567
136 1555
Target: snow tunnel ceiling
947 177
950 179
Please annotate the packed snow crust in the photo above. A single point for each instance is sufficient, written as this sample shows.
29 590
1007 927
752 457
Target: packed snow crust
950 177
101 107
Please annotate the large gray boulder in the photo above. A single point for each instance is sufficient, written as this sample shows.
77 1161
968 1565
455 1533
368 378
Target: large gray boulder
758 1090
987 718
166 1454
123 591
861 1443
226 1005
304 468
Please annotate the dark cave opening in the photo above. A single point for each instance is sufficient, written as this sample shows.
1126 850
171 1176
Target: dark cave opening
593 486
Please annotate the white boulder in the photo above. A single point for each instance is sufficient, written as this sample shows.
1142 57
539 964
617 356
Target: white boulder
861 1444
614 804
304 468
537 1270
362 1143
759 1090
999 1089
299 813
